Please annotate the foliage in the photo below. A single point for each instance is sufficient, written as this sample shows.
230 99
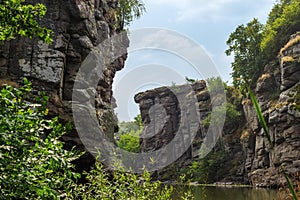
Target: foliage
138 120
232 115
33 163
129 142
284 20
21 19
128 11
208 169
244 44
120 185
260 117
129 133
215 85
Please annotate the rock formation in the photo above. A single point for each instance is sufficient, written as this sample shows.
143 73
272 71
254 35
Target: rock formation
277 91
78 27
162 117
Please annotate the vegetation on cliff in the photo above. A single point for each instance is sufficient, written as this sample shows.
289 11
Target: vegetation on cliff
254 44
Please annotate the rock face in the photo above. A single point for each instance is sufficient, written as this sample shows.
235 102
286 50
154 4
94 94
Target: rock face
162 114
78 27
164 118
250 156
278 94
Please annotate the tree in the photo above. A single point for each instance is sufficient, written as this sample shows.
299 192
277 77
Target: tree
244 44
19 19
129 10
283 21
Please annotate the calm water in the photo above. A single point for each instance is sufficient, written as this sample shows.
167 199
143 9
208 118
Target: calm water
230 193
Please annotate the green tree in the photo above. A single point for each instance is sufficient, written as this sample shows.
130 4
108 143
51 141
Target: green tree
138 120
130 142
283 21
244 44
16 18
128 137
128 11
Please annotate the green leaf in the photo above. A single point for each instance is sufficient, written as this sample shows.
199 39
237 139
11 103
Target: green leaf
290 185
260 116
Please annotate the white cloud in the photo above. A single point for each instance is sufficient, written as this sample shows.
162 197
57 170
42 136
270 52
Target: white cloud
211 9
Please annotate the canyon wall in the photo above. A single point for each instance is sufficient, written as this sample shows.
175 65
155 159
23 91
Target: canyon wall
78 27
278 92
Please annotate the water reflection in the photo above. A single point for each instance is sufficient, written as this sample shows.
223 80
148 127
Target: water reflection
229 193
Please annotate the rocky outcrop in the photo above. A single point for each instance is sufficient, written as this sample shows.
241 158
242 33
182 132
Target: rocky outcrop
78 27
162 116
278 94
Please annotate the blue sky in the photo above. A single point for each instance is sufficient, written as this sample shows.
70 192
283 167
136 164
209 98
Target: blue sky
207 22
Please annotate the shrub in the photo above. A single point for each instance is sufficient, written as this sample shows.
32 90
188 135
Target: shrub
129 142
123 186
33 163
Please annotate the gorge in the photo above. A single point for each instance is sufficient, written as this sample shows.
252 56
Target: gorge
79 26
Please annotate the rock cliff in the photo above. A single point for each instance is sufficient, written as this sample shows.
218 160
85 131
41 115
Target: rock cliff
249 157
278 92
78 27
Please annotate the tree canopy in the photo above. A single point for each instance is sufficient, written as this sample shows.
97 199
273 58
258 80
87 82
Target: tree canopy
17 18
283 21
244 44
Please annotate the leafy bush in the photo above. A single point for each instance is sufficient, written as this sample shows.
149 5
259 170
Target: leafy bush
128 136
120 185
209 169
19 19
129 142
233 113
33 163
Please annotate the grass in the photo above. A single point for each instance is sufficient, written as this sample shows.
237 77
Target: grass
264 76
292 42
287 59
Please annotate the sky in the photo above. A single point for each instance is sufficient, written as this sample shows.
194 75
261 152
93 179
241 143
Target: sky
207 23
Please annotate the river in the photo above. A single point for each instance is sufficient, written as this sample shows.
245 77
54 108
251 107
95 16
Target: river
229 193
